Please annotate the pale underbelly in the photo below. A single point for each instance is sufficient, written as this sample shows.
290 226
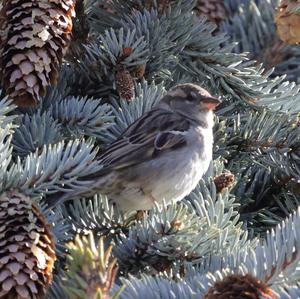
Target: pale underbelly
162 180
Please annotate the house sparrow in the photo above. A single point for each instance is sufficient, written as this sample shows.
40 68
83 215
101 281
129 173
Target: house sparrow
162 155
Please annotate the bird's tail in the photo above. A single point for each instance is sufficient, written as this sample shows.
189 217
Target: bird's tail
89 188
56 199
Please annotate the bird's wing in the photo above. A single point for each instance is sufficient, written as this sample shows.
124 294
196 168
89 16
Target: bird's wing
151 135
156 132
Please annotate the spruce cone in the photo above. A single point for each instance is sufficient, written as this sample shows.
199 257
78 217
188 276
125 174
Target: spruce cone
136 72
223 181
239 286
162 5
139 71
287 20
125 84
273 54
214 10
91 270
35 37
27 248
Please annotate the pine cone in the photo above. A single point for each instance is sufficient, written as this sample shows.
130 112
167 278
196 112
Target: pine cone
91 270
287 20
214 10
125 84
138 72
35 37
239 286
223 181
273 54
161 7
27 248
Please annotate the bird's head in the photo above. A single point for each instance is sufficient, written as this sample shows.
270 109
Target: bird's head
191 101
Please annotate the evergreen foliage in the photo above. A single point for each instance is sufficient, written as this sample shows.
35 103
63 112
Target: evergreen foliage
178 250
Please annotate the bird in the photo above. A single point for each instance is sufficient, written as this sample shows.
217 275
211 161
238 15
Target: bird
160 157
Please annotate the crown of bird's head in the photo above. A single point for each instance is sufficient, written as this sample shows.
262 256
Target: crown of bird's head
190 100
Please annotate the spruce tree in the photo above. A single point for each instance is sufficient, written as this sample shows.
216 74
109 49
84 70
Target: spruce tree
75 74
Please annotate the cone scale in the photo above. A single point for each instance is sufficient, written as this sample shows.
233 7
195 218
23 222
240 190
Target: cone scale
27 246
34 38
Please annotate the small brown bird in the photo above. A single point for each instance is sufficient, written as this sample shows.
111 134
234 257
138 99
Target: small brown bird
161 156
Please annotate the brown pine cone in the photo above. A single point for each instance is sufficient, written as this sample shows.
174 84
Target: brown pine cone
223 181
273 54
35 37
138 72
240 286
214 10
125 84
288 21
27 248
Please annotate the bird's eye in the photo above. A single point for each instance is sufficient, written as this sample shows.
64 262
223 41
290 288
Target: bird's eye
192 97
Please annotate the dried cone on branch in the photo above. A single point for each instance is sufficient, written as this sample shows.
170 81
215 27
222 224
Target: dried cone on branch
162 5
214 10
139 71
288 21
273 54
223 181
240 286
124 84
35 35
27 248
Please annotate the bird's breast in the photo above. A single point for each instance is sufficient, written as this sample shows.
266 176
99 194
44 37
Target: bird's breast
170 176
181 171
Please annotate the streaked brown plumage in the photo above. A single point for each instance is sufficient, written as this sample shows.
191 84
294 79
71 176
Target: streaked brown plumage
161 156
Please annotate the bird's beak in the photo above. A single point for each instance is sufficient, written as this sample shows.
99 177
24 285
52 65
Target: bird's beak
210 103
